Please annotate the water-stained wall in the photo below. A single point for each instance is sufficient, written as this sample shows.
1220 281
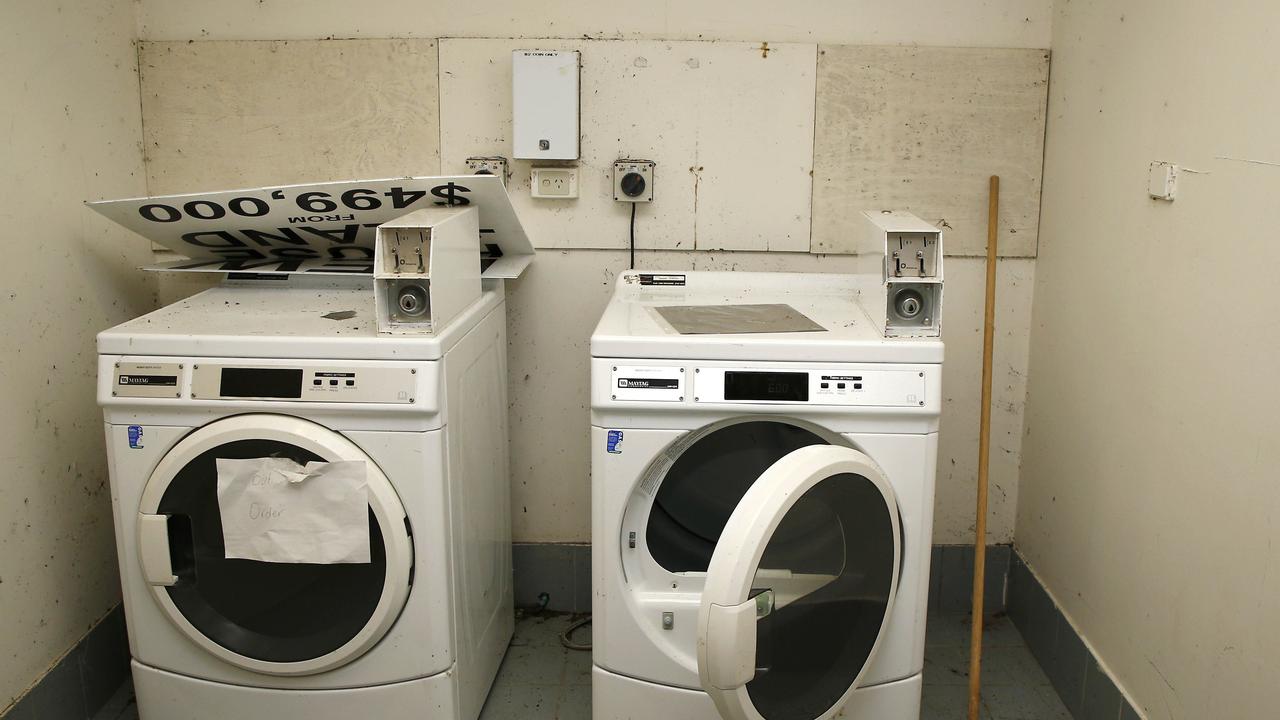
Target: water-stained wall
71 124
765 150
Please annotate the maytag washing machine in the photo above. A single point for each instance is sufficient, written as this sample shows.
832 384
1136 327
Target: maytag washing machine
296 370
763 479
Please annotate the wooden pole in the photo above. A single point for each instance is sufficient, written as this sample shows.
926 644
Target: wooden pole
984 458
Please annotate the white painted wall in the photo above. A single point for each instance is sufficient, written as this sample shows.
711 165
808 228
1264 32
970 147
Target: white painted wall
1149 501
978 23
69 110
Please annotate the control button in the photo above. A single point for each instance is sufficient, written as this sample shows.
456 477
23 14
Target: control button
857 386
839 386
333 382
632 184
351 383
826 385
317 381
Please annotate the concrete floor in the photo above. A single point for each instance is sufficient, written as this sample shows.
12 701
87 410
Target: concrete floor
541 680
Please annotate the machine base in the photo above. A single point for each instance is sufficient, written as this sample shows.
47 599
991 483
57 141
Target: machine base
164 695
615 697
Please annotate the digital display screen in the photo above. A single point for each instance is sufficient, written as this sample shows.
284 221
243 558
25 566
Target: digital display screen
261 383
792 386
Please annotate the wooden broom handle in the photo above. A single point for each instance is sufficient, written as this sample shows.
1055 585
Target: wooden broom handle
984 458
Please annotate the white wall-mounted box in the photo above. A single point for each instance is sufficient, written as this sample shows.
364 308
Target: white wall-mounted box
544 104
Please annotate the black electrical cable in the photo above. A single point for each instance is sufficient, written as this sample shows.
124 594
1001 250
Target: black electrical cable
566 637
633 235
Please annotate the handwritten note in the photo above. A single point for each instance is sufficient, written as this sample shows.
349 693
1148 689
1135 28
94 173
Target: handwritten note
275 510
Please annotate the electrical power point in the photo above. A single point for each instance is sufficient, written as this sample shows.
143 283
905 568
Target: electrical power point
557 183
494 165
633 180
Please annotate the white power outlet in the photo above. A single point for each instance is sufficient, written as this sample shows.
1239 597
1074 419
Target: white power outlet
554 183
633 180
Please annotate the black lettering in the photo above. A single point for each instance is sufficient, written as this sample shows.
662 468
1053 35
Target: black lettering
199 264
244 253
317 202
351 252
195 238
401 198
204 210
260 207
354 267
361 199
266 239
345 236
272 263
154 213
303 253
451 192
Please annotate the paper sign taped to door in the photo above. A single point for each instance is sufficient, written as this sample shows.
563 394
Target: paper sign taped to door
275 510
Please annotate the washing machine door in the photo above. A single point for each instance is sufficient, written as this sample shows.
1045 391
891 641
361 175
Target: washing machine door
276 618
799 587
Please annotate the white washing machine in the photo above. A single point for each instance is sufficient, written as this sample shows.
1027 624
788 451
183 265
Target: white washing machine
296 370
762 501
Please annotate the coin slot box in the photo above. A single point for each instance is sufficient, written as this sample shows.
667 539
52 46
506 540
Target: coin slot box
426 270
900 261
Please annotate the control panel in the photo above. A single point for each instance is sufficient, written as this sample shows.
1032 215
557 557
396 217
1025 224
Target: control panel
847 385
885 388
310 384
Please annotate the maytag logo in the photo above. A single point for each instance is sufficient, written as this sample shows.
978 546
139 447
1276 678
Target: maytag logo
164 380
649 383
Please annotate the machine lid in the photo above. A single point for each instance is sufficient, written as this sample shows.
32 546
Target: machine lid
299 317
274 618
318 228
799 587
633 323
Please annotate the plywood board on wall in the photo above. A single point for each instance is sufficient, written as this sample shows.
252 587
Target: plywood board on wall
730 126
922 129
227 114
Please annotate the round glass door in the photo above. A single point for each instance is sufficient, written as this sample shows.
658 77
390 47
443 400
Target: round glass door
800 586
704 484
283 618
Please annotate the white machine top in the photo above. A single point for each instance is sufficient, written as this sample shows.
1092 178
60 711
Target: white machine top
317 318
633 327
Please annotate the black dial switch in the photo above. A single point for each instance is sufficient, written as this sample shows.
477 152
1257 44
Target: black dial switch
632 184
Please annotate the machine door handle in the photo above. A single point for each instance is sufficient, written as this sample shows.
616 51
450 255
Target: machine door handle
153 549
